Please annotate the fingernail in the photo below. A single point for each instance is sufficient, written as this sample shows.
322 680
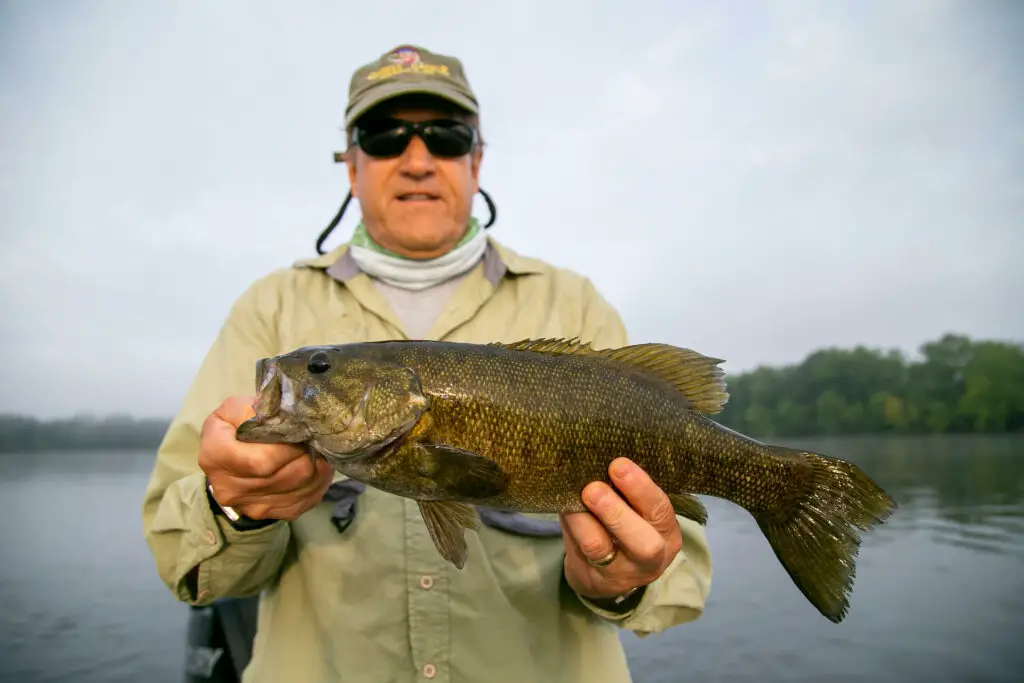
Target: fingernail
622 468
596 494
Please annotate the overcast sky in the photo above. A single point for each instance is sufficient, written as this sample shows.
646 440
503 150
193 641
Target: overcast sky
753 180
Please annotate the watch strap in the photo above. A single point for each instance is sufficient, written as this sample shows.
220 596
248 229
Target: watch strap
238 521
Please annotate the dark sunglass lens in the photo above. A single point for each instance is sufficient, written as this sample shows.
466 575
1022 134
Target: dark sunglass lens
448 139
383 139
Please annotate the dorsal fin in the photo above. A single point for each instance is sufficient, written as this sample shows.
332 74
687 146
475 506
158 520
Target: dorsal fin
695 375
549 345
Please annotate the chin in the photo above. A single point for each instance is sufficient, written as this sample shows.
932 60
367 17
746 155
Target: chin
427 235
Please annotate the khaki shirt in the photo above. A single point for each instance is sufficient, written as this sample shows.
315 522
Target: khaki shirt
376 602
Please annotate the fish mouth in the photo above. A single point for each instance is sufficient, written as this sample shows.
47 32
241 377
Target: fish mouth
274 421
276 392
269 390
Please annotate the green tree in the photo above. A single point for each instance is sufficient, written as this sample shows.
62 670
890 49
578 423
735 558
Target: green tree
958 385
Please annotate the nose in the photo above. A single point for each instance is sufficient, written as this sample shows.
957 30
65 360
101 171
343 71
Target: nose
417 161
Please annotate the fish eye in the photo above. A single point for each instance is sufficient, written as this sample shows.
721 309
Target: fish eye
319 363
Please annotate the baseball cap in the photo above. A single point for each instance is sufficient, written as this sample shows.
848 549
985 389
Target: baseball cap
405 70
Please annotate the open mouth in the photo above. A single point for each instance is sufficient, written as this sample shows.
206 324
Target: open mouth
276 404
268 395
417 197
275 393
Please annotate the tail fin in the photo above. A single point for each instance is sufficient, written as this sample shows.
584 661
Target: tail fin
816 539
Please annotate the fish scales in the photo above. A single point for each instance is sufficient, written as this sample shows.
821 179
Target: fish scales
557 423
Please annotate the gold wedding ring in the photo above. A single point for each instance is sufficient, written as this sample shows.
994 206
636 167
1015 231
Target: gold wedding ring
606 560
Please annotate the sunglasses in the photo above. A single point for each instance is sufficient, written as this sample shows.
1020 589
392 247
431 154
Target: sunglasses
384 138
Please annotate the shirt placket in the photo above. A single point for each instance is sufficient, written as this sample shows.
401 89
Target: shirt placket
467 299
428 590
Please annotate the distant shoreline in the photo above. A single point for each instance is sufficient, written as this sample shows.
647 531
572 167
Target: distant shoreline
25 434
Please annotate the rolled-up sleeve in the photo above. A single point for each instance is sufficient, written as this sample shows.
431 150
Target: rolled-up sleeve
680 593
199 556
678 596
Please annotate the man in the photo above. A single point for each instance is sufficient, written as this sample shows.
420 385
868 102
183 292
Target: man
361 594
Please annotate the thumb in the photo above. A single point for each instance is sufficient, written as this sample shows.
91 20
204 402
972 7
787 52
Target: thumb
236 409
324 471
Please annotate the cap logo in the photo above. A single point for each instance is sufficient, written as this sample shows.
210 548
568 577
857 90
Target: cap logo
405 60
406 56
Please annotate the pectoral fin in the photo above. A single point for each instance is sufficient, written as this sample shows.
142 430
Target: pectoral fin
447 522
689 506
461 473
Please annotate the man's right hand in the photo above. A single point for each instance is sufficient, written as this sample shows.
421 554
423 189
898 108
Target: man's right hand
260 481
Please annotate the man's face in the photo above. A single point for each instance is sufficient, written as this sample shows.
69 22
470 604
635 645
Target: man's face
415 204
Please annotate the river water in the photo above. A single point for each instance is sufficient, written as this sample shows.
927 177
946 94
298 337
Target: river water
939 594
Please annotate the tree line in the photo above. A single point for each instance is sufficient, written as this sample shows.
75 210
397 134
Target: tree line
959 385
19 433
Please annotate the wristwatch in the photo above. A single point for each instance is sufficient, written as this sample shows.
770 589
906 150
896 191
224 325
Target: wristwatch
238 522
621 603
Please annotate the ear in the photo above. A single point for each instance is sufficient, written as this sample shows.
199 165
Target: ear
350 161
475 161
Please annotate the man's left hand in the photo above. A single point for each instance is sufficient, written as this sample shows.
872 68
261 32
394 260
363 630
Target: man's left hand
621 545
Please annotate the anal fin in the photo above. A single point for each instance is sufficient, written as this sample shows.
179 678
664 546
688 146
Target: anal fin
447 522
689 506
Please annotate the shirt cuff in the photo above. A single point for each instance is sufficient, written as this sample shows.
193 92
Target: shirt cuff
205 535
666 601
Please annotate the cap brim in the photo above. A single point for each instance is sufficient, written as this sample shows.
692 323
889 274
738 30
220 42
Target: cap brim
389 91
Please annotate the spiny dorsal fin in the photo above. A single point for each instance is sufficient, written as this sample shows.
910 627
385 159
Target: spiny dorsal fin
549 345
695 375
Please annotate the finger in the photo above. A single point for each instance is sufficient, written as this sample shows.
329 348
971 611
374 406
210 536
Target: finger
236 409
245 459
300 507
643 495
294 475
633 533
586 536
259 461
291 504
305 499
264 461
297 477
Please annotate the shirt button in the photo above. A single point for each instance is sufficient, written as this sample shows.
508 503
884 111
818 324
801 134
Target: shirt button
429 670
426 582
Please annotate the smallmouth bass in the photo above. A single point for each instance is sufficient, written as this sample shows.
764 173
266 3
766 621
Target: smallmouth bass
526 426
